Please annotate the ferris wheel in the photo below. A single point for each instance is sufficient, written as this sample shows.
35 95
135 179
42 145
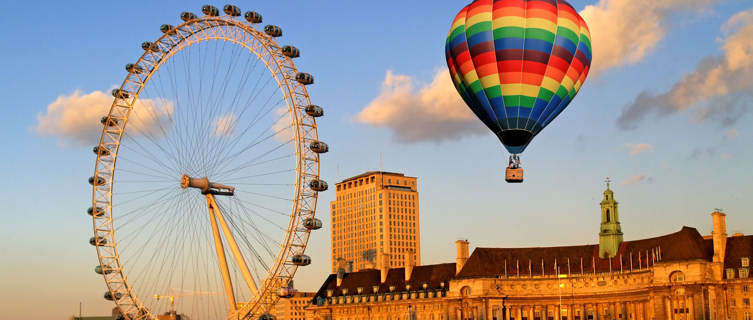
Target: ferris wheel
207 172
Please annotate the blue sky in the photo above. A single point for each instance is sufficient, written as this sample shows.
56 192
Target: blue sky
670 169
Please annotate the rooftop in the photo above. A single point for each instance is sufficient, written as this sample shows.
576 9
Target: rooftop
370 173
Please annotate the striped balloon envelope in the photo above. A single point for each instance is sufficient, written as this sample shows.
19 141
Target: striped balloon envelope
518 63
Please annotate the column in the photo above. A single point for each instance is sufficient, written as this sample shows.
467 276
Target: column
690 306
668 308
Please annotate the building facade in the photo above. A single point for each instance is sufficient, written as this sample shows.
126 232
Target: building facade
679 276
375 212
293 308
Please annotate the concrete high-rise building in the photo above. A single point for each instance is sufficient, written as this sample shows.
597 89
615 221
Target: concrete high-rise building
373 213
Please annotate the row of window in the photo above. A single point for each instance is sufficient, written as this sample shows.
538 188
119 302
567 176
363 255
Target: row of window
742 273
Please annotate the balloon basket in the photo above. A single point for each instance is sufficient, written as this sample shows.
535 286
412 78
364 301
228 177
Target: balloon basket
514 175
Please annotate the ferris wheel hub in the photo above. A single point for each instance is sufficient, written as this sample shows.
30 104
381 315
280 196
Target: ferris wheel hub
206 186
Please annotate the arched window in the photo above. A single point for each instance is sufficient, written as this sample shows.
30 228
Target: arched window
608 216
677 276
465 291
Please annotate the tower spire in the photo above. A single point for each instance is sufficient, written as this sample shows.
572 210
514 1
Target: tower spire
610 231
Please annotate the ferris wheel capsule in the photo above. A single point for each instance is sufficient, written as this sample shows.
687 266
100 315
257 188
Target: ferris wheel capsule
267 316
108 122
318 185
286 292
314 110
210 10
121 94
165 28
149 46
109 296
134 68
291 51
301 260
99 270
304 78
101 151
98 181
312 223
318 147
231 10
253 17
97 241
95 211
186 16
273 31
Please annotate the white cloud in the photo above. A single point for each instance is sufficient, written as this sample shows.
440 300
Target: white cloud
434 112
634 179
623 32
638 148
75 118
224 125
726 156
283 131
727 78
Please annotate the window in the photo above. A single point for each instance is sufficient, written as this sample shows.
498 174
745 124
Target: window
745 262
746 302
730 273
743 273
676 276
732 302
745 288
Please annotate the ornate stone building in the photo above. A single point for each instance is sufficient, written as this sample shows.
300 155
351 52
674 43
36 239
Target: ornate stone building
678 276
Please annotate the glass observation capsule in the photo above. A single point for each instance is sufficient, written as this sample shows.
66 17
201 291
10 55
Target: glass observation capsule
186 16
301 260
314 110
312 223
101 151
304 78
210 10
291 51
253 17
318 147
318 185
273 31
95 211
231 10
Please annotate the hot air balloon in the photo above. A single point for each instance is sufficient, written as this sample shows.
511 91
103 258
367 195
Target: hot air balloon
517 64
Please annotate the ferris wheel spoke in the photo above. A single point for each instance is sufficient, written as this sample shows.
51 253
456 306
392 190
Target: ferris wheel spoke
257 158
267 108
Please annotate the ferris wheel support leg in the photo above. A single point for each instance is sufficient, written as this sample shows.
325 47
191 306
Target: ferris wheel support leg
221 260
235 250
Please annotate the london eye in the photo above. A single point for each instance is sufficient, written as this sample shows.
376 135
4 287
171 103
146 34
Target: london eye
207 172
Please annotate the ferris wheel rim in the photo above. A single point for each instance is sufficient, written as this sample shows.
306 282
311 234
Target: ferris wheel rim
307 165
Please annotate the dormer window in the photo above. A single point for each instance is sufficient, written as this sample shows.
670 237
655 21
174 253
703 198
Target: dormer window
745 262
730 273
743 273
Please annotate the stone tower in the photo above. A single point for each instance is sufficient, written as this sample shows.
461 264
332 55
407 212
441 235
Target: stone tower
610 232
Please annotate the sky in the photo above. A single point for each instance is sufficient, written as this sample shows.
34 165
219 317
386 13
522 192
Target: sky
665 113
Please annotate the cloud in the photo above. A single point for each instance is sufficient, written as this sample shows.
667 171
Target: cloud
435 112
623 32
283 131
638 148
224 126
727 78
726 156
635 179
75 118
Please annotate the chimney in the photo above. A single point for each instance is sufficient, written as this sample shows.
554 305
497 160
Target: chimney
719 235
719 239
462 248
384 265
340 276
410 262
